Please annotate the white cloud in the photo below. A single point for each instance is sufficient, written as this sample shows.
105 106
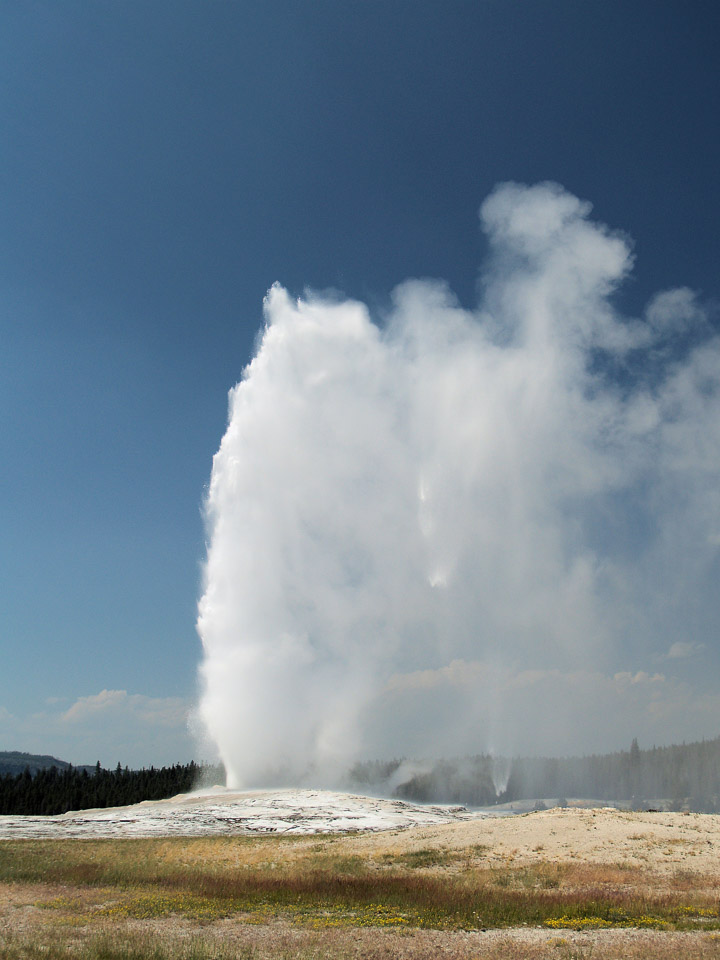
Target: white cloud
101 702
682 649
150 711
112 726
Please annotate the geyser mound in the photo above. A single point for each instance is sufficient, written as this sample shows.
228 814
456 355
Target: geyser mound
457 528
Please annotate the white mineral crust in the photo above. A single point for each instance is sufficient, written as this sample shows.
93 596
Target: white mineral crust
220 811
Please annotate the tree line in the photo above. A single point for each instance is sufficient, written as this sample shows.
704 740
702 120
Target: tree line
683 776
674 777
50 791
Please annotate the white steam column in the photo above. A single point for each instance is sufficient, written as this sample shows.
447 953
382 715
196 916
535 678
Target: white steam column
453 527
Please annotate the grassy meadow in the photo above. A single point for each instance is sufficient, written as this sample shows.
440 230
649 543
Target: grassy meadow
307 897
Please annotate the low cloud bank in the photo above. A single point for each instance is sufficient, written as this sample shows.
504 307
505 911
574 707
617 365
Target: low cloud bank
467 530
112 726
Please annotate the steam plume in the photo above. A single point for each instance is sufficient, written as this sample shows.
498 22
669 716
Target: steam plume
455 530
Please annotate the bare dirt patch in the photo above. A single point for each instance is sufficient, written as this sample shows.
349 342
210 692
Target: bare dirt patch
660 842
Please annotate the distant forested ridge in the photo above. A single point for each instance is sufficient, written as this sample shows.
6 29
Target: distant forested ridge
51 790
13 761
676 777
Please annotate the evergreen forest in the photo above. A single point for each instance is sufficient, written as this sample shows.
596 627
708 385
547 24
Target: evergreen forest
51 790
684 776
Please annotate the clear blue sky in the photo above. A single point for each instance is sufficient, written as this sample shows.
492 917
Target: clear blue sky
163 163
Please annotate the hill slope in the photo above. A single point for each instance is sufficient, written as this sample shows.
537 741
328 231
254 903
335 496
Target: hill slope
14 762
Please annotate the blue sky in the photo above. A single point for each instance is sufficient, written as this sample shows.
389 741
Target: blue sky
164 163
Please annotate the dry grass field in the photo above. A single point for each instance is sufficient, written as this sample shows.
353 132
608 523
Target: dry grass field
559 883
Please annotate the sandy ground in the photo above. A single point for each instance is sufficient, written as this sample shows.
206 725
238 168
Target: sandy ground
659 842
662 842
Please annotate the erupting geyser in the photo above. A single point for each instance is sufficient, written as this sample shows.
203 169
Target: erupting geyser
460 527
501 767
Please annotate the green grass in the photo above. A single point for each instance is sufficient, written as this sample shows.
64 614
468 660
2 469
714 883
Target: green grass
426 857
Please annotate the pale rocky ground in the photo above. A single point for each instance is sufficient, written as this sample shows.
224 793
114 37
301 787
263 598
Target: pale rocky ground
220 811
661 842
